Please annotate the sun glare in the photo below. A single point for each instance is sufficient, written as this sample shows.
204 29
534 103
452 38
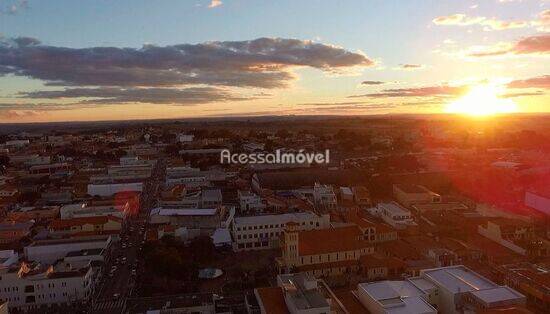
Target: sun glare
482 100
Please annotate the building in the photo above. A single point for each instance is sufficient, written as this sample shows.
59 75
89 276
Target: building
83 210
393 297
250 201
296 179
185 138
324 198
49 251
93 224
361 196
300 294
395 215
33 212
323 252
264 231
110 189
410 194
509 233
530 279
197 221
372 232
446 290
211 198
31 286
14 231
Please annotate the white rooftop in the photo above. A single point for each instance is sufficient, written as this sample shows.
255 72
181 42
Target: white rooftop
184 211
397 297
458 279
274 219
499 294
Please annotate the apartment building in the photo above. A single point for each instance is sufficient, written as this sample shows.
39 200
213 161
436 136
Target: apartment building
264 231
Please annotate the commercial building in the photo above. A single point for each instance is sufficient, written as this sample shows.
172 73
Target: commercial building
49 251
446 290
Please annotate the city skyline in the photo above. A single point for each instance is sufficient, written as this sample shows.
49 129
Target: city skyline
65 61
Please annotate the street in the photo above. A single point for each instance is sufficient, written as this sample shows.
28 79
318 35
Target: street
124 266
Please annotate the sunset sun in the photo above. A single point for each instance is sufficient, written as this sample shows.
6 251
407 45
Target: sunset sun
482 100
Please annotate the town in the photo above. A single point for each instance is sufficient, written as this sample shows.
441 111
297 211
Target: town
431 214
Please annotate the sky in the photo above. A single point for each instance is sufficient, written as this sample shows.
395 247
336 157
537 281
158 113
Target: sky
130 59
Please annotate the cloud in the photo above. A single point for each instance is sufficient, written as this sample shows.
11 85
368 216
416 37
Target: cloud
410 66
457 19
532 45
263 63
19 114
543 21
522 94
215 3
116 95
427 91
372 82
534 82
488 23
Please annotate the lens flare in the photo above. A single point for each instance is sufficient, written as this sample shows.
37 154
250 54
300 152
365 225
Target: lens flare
482 100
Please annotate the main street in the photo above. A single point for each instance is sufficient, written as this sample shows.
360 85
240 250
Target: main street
120 273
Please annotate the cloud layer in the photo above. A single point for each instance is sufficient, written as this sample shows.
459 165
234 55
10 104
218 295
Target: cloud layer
182 74
116 95
537 44
263 62
487 23
426 91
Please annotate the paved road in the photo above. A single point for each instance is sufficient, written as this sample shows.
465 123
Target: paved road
125 264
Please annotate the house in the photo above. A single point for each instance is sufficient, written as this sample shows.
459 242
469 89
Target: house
14 231
85 224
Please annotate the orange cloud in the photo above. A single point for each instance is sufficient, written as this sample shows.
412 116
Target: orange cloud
538 44
488 23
